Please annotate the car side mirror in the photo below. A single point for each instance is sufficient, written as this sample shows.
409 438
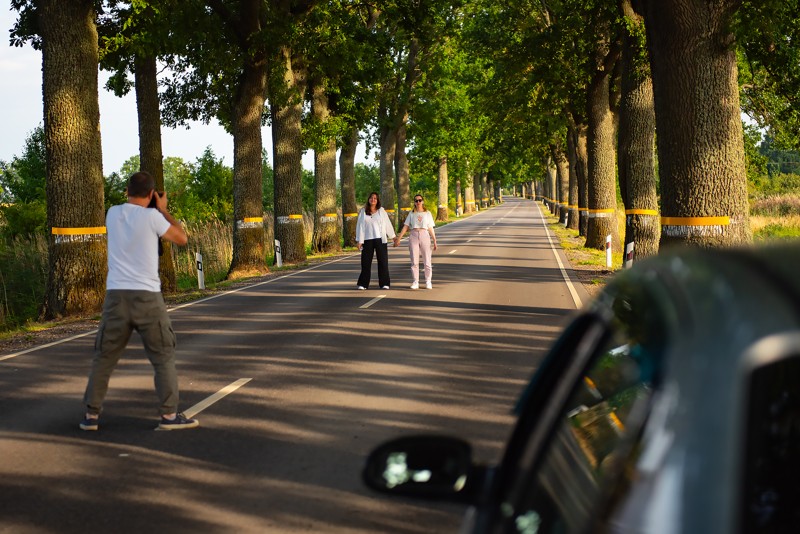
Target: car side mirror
430 467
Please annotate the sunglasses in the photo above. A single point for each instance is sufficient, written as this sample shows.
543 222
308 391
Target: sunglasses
417 200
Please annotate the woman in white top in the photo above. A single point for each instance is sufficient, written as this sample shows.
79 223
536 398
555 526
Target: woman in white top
373 230
420 222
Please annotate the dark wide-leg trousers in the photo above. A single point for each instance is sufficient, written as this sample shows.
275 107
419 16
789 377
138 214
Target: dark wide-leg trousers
374 247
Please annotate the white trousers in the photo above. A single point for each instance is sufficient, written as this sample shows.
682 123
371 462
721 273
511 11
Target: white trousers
419 244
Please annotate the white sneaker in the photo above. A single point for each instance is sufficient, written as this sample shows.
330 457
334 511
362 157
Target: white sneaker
385 287
415 285
361 288
428 285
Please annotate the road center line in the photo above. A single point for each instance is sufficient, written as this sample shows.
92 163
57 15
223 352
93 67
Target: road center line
373 301
219 395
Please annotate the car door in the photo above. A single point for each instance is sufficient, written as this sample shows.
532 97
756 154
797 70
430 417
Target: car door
591 392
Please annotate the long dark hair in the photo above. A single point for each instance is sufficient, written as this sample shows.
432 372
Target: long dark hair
377 204
423 202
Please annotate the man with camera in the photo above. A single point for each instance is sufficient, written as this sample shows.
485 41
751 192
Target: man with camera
134 301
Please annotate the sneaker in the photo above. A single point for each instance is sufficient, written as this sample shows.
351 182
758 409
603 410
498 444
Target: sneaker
362 288
385 287
90 423
179 423
428 285
415 285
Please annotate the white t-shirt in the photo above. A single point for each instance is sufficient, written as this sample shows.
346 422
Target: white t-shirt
133 233
373 226
419 219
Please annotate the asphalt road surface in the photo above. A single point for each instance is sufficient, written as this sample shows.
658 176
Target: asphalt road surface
294 381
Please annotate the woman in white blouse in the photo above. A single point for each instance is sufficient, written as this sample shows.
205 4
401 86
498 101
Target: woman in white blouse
420 222
373 231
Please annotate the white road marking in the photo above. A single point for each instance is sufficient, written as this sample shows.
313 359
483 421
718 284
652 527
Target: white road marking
224 392
452 251
373 301
468 240
575 298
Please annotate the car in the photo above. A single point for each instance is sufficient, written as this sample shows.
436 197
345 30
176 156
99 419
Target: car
670 404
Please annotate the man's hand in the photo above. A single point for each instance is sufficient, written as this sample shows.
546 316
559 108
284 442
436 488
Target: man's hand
161 201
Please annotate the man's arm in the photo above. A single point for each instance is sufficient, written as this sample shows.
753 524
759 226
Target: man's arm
175 233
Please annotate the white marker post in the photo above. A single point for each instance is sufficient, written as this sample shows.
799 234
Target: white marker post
201 277
629 255
278 258
608 251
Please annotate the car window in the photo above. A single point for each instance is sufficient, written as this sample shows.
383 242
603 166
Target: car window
559 485
772 452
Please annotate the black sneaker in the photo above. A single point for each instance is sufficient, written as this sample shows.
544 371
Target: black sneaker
90 423
179 423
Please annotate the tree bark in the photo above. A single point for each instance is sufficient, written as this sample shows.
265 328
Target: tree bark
347 174
582 171
572 157
459 206
700 146
562 181
484 189
326 228
469 194
637 126
401 171
286 108
249 241
441 211
602 171
150 154
388 150
75 215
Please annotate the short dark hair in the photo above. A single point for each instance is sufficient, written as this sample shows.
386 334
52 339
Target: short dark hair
140 184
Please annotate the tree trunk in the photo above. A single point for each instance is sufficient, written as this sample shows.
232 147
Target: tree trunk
288 151
469 194
249 241
484 189
347 174
459 206
388 150
637 126
582 171
700 145
552 186
401 168
75 215
150 154
562 182
572 156
602 170
441 211
326 228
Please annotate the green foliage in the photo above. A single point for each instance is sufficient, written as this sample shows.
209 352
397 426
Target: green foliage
202 190
115 190
23 179
23 272
368 179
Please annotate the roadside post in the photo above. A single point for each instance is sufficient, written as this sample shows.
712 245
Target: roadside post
201 277
278 258
629 255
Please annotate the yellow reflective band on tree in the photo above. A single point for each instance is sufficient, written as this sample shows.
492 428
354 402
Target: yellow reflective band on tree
89 230
331 215
351 215
641 212
389 211
695 221
253 219
295 216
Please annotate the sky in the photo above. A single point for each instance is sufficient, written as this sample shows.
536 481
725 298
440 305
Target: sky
21 105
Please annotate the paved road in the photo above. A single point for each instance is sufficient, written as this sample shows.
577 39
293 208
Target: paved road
294 380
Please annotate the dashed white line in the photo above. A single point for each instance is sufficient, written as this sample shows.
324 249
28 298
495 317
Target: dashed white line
452 251
373 301
224 392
